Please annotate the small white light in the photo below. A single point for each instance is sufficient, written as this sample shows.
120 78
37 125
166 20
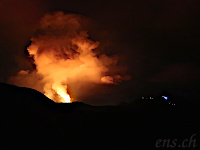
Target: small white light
165 97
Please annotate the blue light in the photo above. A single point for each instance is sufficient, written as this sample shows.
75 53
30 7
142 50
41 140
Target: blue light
165 97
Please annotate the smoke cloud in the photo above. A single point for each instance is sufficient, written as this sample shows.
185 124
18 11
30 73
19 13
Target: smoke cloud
65 59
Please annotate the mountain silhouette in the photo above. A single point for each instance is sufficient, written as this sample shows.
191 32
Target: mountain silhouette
29 120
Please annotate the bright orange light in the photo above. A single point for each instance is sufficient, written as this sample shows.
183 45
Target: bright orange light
64 54
57 92
65 98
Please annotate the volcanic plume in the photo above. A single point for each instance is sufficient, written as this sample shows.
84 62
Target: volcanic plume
63 54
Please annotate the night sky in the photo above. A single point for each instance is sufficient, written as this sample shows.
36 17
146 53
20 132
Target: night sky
157 40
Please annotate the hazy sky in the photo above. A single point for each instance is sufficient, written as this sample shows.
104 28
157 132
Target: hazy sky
157 40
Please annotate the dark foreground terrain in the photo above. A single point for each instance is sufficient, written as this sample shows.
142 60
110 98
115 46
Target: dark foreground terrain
29 120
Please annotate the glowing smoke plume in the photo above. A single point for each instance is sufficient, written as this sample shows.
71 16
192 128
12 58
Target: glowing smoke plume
63 54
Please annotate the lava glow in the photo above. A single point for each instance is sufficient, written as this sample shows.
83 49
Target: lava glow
63 54
65 97
60 91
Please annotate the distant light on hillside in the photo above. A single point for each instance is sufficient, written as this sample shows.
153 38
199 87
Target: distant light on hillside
165 97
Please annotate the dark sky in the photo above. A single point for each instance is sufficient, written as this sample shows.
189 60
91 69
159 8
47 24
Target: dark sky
158 39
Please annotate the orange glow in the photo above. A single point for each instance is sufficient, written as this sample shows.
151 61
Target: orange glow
65 98
63 54
60 91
